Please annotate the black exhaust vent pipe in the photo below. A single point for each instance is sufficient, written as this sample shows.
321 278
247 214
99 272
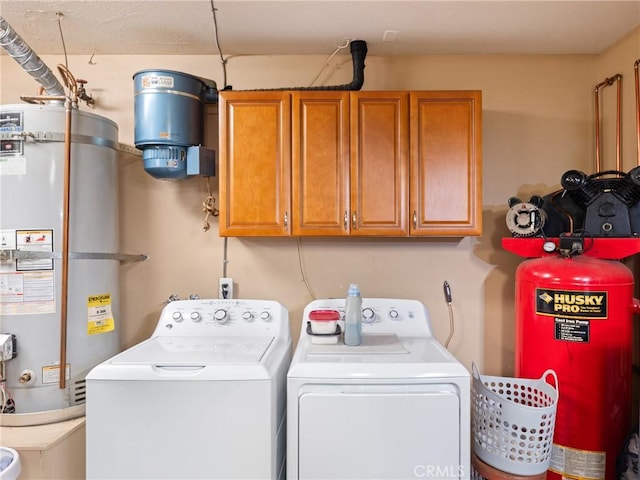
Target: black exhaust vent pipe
358 50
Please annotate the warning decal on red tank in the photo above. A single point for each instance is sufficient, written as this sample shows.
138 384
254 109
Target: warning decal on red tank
572 330
571 304
577 464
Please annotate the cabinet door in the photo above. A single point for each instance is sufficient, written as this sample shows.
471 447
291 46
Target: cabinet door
255 163
320 163
446 163
379 163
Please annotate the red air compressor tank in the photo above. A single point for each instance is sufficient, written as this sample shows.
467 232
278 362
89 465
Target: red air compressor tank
574 315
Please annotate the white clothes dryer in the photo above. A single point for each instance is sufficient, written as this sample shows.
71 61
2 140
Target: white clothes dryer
395 407
204 397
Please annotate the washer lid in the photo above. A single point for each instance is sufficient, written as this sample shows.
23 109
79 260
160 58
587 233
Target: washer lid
183 351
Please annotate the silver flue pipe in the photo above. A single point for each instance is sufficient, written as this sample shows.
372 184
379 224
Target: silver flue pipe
18 49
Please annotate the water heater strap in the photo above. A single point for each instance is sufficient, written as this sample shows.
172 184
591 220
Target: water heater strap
7 255
75 138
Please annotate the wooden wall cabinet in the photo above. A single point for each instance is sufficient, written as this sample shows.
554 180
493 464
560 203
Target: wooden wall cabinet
255 163
350 163
320 163
379 163
446 163
338 163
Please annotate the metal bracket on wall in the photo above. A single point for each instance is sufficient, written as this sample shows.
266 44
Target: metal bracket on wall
8 255
59 137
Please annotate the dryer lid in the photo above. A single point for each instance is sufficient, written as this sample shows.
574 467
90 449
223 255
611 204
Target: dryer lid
200 350
379 357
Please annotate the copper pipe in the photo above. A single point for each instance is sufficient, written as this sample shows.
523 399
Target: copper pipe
636 67
65 245
41 99
553 202
596 107
605 83
618 122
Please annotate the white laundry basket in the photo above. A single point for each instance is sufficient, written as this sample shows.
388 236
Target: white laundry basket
513 421
10 467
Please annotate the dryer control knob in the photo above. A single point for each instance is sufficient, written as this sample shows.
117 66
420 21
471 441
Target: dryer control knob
394 315
220 316
368 315
195 316
177 316
265 316
247 316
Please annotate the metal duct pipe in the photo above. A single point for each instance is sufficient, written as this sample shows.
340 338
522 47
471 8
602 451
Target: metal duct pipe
18 49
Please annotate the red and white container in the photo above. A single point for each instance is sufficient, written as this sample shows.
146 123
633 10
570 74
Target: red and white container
324 322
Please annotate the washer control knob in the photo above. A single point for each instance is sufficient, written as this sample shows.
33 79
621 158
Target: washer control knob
177 316
394 315
368 315
220 316
247 316
195 316
265 316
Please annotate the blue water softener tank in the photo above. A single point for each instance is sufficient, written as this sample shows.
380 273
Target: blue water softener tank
169 118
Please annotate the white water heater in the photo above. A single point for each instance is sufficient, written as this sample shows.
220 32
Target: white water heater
32 159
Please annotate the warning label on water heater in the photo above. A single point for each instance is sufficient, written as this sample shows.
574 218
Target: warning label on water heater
571 304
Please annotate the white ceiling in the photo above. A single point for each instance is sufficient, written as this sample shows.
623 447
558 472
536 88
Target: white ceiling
319 27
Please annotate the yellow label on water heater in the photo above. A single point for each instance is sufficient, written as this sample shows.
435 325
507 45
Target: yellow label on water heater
99 316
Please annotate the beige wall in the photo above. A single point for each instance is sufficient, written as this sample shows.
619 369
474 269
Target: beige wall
538 123
619 59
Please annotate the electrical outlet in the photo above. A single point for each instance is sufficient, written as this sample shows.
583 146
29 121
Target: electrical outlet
225 287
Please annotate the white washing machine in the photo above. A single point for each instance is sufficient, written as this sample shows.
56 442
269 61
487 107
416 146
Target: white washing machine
204 397
395 407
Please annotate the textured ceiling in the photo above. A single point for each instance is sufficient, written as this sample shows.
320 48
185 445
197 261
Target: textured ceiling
319 27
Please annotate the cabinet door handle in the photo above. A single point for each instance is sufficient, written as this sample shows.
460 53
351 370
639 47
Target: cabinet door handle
354 220
286 219
346 220
415 220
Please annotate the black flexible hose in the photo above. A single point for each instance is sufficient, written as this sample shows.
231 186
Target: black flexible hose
358 50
